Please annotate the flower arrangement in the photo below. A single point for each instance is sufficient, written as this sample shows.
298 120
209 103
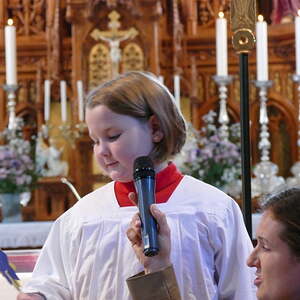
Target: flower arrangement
17 169
211 158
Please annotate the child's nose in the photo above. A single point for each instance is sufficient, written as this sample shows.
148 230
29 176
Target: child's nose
102 149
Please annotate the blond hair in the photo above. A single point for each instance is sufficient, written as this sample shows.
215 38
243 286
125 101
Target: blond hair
140 95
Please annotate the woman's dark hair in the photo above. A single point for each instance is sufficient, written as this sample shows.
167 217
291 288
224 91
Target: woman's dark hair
285 207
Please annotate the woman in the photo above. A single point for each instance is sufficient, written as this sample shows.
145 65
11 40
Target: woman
276 256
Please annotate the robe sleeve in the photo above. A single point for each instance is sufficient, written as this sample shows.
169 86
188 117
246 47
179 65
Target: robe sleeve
51 275
232 247
160 285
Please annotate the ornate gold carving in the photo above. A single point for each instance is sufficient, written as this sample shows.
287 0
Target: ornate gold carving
243 19
132 58
99 65
289 86
277 82
114 37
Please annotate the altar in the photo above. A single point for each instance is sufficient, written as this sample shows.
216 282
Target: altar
24 234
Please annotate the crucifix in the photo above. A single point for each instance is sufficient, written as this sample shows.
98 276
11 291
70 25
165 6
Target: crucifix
114 37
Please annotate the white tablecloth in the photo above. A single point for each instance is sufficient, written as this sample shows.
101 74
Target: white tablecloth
24 234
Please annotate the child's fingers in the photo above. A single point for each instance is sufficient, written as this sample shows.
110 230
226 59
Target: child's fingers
161 220
134 230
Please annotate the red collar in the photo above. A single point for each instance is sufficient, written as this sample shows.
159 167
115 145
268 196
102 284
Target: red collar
166 181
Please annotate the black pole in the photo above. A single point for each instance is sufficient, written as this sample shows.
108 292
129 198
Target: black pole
245 142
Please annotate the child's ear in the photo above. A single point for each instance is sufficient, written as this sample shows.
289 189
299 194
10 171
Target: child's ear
157 133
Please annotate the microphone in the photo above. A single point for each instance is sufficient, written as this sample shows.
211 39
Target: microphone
144 181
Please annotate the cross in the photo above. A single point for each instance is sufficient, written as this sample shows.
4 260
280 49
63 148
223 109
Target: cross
114 36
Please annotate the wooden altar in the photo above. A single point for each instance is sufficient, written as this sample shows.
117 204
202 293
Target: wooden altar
54 42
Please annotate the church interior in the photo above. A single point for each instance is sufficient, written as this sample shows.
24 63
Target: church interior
66 48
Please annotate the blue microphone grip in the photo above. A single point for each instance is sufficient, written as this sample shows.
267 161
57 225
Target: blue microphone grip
145 188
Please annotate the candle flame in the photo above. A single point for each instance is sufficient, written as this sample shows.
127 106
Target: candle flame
298 12
221 15
260 18
10 22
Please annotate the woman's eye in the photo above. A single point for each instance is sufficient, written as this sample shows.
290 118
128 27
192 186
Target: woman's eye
265 248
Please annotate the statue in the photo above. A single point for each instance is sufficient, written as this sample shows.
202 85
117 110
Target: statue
41 154
48 159
284 10
55 166
114 37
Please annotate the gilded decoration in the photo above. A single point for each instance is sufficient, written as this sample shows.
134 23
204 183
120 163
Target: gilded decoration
277 82
243 20
132 58
289 87
99 65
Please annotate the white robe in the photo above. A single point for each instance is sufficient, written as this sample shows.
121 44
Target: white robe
87 254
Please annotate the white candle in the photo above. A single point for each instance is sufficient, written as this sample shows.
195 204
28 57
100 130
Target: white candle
10 53
47 84
161 79
297 33
80 100
221 45
261 50
177 90
63 100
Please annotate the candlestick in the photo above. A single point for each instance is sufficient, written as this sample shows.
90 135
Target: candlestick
223 119
295 169
261 49
80 100
47 84
10 53
221 45
297 45
177 90
63 100
11 105
266 179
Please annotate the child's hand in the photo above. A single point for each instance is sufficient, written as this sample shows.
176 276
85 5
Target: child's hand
160 261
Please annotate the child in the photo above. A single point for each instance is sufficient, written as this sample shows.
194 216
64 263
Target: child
87 254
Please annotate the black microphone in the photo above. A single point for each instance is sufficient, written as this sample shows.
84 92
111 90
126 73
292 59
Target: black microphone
144 181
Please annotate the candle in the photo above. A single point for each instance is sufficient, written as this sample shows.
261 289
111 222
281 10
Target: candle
63 100
161 79
221 45
10 53
47 84
297 33
261 49
177 90
80 100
